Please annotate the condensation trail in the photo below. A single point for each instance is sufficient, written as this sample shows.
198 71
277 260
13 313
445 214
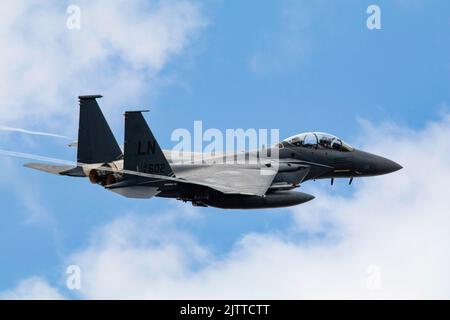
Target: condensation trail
30 156
35 157
36 133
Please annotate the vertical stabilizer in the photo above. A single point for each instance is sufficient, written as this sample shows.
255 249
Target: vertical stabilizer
142 152
96 142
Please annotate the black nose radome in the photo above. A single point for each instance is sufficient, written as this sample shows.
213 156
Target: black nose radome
370 164
385 166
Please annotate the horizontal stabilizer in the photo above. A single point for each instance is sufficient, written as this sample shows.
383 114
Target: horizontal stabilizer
57 169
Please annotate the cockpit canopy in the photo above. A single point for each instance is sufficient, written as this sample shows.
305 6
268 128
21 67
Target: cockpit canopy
318 140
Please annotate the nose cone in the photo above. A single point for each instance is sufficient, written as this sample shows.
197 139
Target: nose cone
384 166
373 165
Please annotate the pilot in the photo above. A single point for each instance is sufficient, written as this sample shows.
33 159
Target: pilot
325 142
336 145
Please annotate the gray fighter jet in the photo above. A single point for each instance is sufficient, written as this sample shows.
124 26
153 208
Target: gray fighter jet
144 170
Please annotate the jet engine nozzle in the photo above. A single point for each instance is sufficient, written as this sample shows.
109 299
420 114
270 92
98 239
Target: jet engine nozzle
103 178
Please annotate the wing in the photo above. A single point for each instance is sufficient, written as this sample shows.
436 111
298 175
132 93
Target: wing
231 179
227 179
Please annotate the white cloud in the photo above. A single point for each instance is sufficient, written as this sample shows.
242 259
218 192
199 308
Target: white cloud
33 288
33 210
398 223
393 227
119 50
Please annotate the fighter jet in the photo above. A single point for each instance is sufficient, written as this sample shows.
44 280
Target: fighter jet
143 170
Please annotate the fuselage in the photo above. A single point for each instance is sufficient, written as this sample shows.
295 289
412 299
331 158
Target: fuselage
255 179
297 160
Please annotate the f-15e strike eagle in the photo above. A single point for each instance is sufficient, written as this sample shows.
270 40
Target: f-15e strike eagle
144 170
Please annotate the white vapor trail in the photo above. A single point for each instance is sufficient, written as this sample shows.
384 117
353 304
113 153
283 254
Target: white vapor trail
30 156
35 157
36 133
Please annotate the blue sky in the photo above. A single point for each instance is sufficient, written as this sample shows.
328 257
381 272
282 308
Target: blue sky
292 65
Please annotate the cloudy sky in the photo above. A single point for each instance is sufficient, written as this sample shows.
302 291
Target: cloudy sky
292 65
